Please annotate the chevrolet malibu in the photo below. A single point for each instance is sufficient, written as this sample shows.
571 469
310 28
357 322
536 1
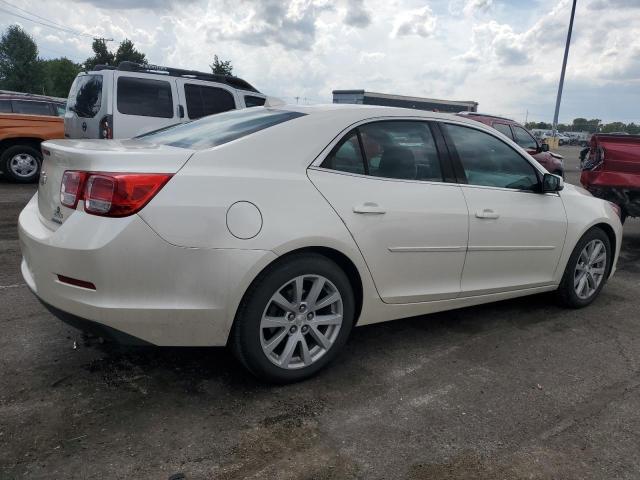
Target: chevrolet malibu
275 230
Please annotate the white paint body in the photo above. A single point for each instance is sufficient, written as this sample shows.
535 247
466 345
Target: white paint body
175 273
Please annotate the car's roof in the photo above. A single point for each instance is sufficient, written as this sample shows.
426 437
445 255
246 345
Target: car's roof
30 97
364 112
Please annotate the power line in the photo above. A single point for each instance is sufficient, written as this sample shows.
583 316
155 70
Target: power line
51 24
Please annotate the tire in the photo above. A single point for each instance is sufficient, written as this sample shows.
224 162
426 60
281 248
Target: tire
21 163
254 342
571 280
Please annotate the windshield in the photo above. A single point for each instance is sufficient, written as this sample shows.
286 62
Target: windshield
220 128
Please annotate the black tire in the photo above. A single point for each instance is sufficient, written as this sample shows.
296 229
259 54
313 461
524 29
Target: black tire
245 341
566 292
10 153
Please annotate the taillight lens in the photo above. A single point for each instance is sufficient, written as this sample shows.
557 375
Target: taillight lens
71 188
110 194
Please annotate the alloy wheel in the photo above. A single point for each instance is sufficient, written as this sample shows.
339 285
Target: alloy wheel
301 321
23 165
590 269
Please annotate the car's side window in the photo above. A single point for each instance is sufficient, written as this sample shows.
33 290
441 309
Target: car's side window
203 101
31 108
253 101
401 149
5 106
524 139
346 156
488 161
504 129
145 97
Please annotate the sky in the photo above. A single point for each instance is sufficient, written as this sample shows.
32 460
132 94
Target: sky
505 55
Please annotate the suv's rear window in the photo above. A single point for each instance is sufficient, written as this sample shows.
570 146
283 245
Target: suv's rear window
222 128
203 101
145 97
85 97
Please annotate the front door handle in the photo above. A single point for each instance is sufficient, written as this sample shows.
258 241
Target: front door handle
371 208
487 213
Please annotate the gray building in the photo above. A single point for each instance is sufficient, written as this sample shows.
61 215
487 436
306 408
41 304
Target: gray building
362 97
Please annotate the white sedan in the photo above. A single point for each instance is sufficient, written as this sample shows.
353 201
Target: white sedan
276 230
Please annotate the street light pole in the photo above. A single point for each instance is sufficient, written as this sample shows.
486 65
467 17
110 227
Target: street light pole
564 67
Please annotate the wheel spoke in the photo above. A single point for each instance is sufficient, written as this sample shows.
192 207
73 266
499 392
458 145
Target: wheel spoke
601 258
298 288
275 341
594 253
306 355
577 281
289 348
328 300
335 319
275 322
581 284
316 288
319 337
283 303
598 271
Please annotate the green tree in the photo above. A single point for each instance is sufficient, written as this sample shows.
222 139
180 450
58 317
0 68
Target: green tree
127 52
614 127
19 65
633 129
221 67
58 75
101 55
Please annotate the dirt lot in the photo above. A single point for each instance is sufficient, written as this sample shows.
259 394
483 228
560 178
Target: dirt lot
520 389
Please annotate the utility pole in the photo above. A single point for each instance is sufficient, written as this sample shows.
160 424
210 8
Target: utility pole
564 67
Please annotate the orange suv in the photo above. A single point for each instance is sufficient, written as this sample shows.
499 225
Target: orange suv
25 122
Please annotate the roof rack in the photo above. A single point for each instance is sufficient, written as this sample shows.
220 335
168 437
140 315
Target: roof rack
178 72
479 114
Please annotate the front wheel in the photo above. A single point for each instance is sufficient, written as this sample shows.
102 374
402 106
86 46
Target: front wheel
294 319
21 163
587 270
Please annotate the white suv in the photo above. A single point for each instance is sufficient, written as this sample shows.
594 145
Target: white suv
132 99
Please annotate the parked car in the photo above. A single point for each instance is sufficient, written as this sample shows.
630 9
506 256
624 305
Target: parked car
611 170
275 230
131 99
20 139
28 104
553 162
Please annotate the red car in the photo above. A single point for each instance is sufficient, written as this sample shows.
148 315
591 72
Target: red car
516 132
611 170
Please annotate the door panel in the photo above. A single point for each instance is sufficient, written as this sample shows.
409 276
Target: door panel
413 235
143 103
515 239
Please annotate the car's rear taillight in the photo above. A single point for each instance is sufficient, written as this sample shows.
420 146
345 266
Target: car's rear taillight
121 194
106 127
71 188
110 194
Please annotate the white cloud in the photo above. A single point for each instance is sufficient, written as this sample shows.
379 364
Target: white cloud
502 55
420 22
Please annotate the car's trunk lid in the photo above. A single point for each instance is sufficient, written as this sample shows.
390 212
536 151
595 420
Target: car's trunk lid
98 156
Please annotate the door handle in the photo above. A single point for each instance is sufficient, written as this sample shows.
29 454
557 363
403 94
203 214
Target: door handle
487 213
369 207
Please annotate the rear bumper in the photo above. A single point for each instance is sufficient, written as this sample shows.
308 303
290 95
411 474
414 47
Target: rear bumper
146 288
624 195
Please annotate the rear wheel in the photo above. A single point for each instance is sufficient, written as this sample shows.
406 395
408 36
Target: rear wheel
587 270
294 319
21 163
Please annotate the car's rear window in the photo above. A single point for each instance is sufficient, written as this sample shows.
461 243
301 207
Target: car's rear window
221 128
85 97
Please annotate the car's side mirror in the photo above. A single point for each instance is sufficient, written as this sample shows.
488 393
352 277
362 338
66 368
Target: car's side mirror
544 147
552 183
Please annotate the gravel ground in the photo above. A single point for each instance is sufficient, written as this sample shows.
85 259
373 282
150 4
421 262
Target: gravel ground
520 389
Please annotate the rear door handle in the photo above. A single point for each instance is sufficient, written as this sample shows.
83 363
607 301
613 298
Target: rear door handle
487 213
371 208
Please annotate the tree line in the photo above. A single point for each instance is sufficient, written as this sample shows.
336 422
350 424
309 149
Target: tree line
22 69
592 126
